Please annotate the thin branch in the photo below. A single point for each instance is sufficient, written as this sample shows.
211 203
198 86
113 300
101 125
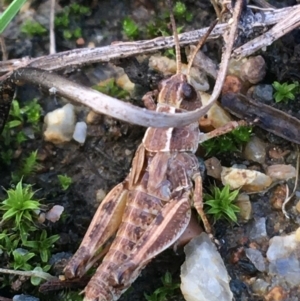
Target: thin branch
51 28
280 29
39 274
288 198
104 104
82 56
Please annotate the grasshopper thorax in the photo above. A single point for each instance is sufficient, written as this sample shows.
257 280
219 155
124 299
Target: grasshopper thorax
176 95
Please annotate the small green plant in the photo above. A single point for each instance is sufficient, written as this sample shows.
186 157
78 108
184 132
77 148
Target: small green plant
32 28
180 11
32 112
110 87
158 26
19 209
29 166
221 203
71 15
130 28
19 229
70 296
167 290
12 136
21 258
229 142
285 91
42 245
9 241
64 181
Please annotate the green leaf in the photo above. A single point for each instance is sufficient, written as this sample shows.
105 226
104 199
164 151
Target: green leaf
44 255
290 96
35 281
31 244
10 213
14 123
276 85
231 214
9 13
30 205
3 235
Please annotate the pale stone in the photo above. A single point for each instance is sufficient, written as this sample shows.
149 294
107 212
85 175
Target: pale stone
284 257
281 172
54 213
60 124
243 202
79 134
216 115
203 274
255 150
123 82
256 258
247 180
258 230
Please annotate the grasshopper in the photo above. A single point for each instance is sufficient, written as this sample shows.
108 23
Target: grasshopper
150 210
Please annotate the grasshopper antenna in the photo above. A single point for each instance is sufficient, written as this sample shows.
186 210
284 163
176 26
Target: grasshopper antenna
200 44
176 39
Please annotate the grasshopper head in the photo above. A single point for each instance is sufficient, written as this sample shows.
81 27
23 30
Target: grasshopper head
178 93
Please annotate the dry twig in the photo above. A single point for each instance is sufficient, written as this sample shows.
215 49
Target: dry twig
113 107
78 57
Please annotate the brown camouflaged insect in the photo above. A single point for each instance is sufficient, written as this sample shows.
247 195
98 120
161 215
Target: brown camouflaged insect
150 210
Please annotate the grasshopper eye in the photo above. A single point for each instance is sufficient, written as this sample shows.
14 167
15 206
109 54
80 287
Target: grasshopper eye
188 92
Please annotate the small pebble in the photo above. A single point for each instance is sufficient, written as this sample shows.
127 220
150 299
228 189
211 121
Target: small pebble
255 150
278 197
203 274
79 134
123 82
247 180
258 230
243 202
256 258
60 124
283 246
254 69
232 84
281 172
24 298
54 213
128 152
100 195
260 286
283 255
94 118
213 167
276 153
41 218
263 93
80 41
277 293
298 206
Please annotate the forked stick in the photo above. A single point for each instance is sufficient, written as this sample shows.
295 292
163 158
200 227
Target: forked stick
104 104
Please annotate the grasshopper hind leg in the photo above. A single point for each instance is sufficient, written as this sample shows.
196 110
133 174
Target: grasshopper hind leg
103 226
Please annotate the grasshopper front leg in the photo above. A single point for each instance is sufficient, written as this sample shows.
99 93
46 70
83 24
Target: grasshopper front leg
198 202
103 226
